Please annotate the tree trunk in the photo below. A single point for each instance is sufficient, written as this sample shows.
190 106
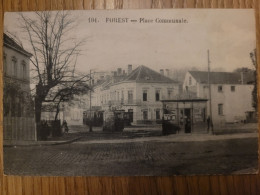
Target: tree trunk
57 112
38 108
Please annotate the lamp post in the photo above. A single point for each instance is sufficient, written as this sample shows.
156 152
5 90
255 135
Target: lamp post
90 80
210 102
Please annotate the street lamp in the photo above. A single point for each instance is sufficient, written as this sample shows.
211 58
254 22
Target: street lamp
90 105
90 82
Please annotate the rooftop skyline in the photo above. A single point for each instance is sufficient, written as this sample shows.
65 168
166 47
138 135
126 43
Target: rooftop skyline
228 34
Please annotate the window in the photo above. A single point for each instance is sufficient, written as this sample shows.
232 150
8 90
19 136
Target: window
19 107
220 109
145 95
220 89
122 96
130 96
157 95
190 81
23 70
145 114
14 67
233 88
13 106
5 65
169 93
158 115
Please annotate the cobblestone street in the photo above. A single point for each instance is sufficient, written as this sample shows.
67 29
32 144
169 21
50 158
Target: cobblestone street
133 158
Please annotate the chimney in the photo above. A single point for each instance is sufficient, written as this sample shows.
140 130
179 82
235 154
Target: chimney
162 71
167 72
129 70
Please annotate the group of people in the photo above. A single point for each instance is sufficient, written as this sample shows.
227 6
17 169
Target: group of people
188 124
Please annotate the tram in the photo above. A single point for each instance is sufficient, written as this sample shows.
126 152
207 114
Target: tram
94 118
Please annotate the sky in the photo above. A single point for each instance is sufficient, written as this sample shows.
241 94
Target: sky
228 34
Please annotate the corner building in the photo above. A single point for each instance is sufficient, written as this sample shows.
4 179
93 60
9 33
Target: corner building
139 93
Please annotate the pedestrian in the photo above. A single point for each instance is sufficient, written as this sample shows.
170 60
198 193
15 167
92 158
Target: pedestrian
188 125
65 126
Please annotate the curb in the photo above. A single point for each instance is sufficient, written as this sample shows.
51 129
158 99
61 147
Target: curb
44 144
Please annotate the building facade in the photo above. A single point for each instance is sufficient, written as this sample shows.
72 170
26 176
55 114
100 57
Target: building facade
231 94
19 121
139 93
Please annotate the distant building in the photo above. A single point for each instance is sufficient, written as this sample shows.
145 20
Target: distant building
231 94
18 108
139 93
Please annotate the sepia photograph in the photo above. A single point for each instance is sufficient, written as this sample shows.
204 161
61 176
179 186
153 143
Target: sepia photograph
130 92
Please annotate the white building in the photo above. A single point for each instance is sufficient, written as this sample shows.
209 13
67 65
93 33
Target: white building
19 123
139 93
231 94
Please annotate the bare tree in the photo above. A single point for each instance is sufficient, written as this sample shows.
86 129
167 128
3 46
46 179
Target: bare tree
54 55
253 57
67 94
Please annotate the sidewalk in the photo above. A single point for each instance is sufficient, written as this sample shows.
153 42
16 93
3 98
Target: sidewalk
175 138
14 143
80 135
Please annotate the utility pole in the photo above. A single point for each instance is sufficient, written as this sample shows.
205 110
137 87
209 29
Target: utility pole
210 102
90 124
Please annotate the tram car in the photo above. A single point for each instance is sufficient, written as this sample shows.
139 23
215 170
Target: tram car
95 118
114 120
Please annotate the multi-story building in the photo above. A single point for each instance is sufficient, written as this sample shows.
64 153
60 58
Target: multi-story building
139 93
18 112
231 94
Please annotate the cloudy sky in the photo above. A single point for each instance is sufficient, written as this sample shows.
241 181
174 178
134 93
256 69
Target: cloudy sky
229 35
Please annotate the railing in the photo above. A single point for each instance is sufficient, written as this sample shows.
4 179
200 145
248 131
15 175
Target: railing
19 128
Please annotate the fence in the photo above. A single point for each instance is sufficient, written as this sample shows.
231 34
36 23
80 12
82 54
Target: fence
19 128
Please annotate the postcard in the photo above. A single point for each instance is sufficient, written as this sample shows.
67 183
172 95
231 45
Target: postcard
130 92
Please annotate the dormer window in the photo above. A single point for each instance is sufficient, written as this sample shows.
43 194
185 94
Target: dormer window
147 78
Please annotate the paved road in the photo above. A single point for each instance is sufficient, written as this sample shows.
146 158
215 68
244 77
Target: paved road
134 158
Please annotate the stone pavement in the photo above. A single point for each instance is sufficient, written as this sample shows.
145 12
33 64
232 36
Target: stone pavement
134 158
176 138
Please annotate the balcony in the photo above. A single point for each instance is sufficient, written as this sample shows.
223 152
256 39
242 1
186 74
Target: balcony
136 102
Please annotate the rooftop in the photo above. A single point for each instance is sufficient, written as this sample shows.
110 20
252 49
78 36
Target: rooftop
12 43
223 77
143 74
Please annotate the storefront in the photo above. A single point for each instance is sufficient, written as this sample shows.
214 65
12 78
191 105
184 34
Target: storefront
188 114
